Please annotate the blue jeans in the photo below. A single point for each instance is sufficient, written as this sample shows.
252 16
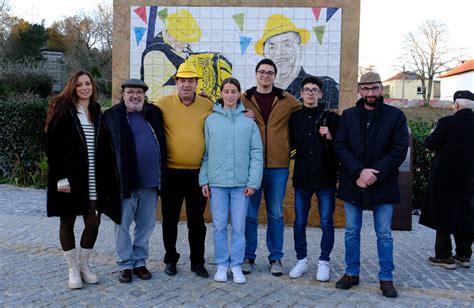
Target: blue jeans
141 208
274 188
223 200
383 230
326 205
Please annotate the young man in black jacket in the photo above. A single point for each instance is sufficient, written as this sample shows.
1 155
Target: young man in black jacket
371 144
311 134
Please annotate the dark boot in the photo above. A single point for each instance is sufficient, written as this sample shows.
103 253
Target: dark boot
388 289
346 282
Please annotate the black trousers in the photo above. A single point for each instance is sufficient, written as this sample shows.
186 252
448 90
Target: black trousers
443 246
183 185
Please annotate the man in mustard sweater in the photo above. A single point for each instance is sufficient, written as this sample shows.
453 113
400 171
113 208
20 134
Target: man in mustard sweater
184 113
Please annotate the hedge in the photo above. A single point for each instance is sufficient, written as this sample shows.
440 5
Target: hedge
22 159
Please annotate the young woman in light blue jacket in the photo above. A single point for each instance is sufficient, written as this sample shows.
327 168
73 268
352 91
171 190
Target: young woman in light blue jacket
231 171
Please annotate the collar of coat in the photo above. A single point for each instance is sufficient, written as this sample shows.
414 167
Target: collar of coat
280 93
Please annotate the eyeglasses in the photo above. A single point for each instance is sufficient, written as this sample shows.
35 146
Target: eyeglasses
268 73
365 90
132 93
311 91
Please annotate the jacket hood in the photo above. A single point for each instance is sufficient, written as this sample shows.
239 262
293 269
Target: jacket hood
217 108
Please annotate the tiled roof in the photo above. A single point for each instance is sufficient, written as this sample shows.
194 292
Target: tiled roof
465 67
399 76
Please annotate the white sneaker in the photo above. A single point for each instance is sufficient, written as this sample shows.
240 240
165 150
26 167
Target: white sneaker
300 268
239 277
323 271
221 274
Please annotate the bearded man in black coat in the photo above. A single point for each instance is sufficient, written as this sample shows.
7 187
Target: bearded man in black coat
449 200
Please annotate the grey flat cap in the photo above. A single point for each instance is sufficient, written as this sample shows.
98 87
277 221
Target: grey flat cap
370 77
135 83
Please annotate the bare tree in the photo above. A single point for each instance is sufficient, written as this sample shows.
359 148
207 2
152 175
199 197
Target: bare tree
427 53
6 22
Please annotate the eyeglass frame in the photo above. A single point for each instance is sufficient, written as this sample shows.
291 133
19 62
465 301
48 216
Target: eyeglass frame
133 93
365 90
266 73
311 91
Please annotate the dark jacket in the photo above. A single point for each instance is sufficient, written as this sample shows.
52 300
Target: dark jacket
66 150
275 134
124 144
382 145
449 200
315 159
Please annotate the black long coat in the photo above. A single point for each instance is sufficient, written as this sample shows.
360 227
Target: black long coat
382 146
449 200
315 159
66 151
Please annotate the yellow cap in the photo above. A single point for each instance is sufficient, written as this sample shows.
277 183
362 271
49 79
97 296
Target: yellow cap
183 27
186 70
278 24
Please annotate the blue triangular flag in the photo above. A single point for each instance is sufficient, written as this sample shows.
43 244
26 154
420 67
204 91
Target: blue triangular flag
139 32
331 11
244 43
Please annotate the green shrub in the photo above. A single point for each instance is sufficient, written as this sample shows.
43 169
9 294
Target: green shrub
24 77
22 159
422 158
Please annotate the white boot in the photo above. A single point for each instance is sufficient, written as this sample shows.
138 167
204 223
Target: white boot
75 281
300 268
239 277
323 271
221 274
86 274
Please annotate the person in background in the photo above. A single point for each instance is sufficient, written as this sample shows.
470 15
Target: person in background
137 132
311 135
449 200
82 175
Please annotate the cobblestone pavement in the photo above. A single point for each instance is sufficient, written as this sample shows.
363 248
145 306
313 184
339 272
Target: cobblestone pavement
33 271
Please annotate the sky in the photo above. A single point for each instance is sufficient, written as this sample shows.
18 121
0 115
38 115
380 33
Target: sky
383 24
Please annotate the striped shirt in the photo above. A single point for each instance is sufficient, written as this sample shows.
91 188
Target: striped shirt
88 129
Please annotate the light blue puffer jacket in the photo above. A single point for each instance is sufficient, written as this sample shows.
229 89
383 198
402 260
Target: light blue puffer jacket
234 152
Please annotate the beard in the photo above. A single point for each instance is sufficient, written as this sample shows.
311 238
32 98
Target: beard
373 102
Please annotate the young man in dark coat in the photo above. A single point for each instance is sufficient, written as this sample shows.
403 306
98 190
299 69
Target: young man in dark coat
136 127
311 134
371 144
449 201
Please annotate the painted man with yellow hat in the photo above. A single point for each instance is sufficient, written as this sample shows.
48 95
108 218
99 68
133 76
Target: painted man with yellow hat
184 114
169 49
282 41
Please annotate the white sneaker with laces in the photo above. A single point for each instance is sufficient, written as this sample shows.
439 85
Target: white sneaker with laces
300 268
221 274
323 271
239 277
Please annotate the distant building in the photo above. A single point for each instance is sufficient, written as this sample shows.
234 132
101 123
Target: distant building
393 87
55 67
459 78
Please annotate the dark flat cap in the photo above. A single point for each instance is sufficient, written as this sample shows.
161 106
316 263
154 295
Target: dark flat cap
463 94
135 83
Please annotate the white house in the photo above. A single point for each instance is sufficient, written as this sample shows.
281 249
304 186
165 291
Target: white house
408 86
459 78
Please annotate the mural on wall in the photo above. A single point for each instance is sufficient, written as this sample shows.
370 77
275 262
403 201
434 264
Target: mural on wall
229 41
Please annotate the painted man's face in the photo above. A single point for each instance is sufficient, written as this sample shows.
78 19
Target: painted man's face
285 50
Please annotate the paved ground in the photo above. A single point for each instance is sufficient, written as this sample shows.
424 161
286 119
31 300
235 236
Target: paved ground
33 271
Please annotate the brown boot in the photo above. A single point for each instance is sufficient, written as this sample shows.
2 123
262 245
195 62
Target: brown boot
346 282
388 289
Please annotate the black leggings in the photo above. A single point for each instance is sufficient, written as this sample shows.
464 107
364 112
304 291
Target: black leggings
89 234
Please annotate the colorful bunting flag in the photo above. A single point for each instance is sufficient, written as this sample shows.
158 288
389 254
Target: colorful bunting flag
319 31
163 14
239 20
244 43
316 12
330 12
141 12
139 32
